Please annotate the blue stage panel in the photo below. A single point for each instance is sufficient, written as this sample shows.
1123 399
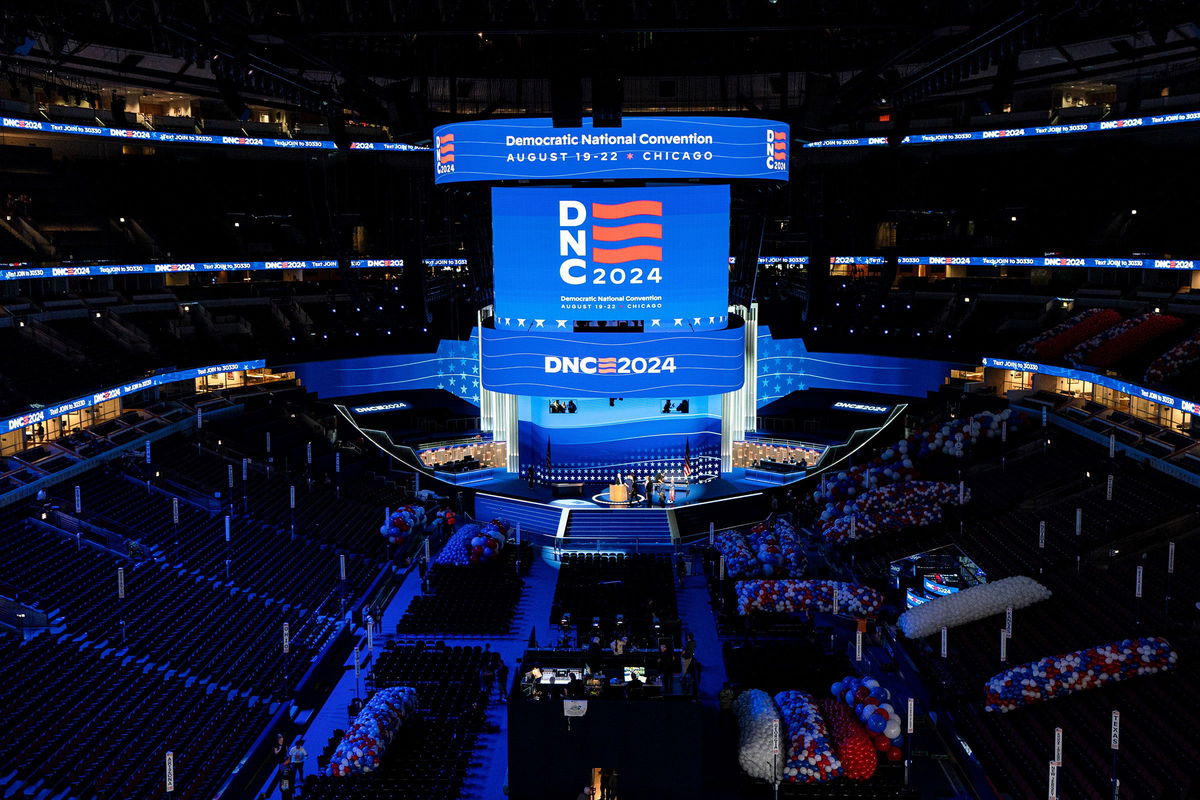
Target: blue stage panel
534 517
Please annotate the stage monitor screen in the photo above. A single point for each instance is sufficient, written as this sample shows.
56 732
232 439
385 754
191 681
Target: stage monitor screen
655 254
655 148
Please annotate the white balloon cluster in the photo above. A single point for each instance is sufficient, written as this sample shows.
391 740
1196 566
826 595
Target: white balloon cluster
971 604
755 711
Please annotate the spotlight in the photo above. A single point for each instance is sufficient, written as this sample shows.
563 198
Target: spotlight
1012 219
1133 211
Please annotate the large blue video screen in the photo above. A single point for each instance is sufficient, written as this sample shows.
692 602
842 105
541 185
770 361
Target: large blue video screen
612 364
660 255
565 438
659 148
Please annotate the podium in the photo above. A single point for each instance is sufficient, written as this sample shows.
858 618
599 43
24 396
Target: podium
618 493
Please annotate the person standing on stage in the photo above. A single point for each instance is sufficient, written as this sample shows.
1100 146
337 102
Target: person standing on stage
671 498
629 488
649 492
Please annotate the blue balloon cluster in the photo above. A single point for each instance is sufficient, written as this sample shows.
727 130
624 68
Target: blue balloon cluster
401 522
474 543
374 728
774 551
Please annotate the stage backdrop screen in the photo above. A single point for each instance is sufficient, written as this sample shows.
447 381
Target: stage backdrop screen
660 255
565 438
657 148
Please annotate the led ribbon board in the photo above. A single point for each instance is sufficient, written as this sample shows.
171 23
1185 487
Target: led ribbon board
88 400
660 148
613 364
1091 377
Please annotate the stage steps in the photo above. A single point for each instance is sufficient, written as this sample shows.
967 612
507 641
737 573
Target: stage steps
627 529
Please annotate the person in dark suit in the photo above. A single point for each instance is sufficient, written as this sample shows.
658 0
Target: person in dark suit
571 407
575 688
649 492
667 407
683 406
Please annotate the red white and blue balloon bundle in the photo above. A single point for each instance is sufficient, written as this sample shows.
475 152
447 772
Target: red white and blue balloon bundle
1056 676
870 704
898 463
892 508
367 740
810 756
474 544
853 745
790 596
767 551
401 522
1175 361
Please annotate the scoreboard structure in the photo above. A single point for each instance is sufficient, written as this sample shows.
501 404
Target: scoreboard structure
611 348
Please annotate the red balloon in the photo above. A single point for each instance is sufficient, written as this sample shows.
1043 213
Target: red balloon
862 693
894 754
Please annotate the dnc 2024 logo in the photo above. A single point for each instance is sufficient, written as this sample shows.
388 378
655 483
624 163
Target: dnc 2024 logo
777 149
625 233
443 152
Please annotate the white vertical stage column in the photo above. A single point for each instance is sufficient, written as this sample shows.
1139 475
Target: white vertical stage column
739 409
498 411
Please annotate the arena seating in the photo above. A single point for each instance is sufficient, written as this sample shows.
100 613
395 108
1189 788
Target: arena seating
474 600
95 724
431 755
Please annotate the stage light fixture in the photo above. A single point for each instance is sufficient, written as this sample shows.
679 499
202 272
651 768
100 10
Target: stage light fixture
1133 211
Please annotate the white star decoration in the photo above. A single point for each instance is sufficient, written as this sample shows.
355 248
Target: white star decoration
562 323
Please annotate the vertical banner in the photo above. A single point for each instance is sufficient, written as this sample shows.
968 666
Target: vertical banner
1042 535
199 419
1008 621
1079 522
78 500
837 604
170 767
427 548
292 497
712 534
1108 490
230 471
1058 754
245 470
356 663
1003 646
943 641
858 645
342 559
308 453
853 527
120 583
226 528
1115 732
1052 793
1170 558
1045 417
268 443
287 639
776 742
518 534
175 510
1137 589
1004 430
1112 445
962 490
147 452
370 634
908 728
337 462
721 571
